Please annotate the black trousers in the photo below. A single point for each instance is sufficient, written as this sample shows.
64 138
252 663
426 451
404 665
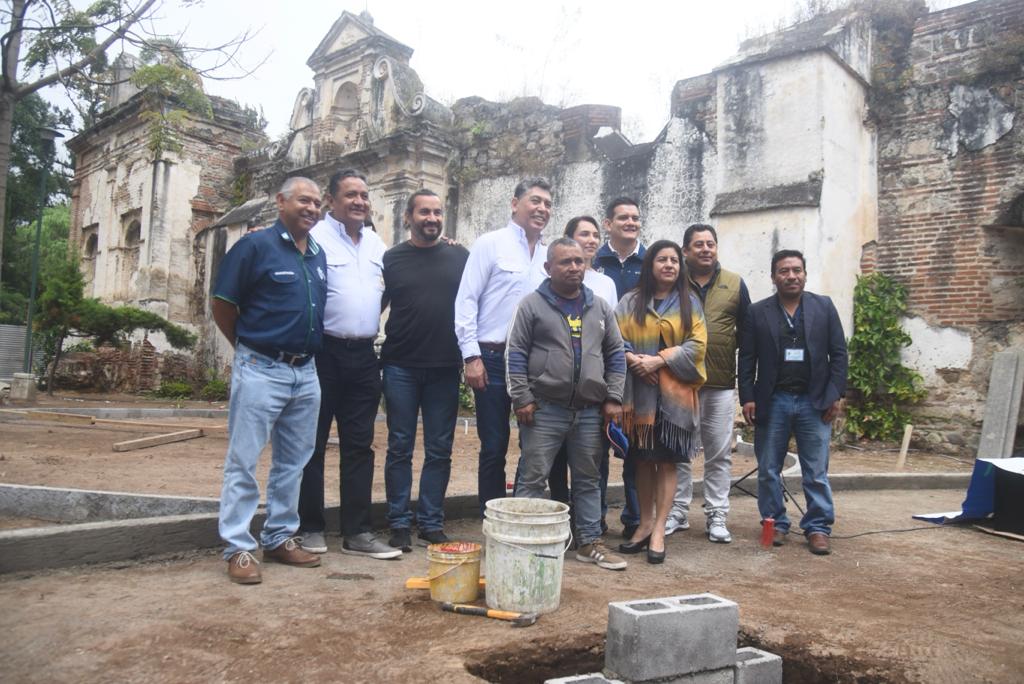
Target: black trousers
350 387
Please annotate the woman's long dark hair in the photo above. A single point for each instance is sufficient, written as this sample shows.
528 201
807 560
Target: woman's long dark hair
646 286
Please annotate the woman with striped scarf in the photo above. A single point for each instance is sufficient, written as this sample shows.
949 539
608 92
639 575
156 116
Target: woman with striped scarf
662 325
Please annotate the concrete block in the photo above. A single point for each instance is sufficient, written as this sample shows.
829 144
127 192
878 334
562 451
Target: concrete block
754 666
23 387
671 637
1002 405
592 678
723 675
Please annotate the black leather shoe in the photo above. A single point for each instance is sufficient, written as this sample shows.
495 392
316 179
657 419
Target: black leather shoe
628 531
655 557
635 547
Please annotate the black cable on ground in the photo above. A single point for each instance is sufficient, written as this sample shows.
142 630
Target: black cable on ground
906 529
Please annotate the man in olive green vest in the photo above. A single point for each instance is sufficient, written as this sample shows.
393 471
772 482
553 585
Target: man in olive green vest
725 299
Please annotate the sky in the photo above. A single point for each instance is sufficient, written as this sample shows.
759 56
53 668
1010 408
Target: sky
627 54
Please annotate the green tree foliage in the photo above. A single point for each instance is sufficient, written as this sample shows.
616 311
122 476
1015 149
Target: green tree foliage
63 312
22 200
65 44
882 387
171 90
18 248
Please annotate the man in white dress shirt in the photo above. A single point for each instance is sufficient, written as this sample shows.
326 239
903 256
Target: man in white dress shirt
348 369
496 277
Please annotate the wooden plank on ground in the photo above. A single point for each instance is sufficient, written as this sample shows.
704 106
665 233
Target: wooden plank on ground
73 418
156 440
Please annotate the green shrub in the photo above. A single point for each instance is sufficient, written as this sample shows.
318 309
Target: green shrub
466 397
881 386
215 390
174 389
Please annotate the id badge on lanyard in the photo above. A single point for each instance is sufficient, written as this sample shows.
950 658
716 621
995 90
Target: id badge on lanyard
790 354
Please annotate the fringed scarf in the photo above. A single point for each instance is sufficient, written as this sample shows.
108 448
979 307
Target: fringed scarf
671 406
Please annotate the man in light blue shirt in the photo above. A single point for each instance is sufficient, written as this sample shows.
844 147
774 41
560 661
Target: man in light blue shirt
496 277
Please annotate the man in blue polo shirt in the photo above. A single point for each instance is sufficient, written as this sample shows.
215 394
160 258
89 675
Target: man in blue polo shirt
269 302
621 259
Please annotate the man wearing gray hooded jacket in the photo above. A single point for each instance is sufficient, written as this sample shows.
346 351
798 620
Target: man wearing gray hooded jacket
565 373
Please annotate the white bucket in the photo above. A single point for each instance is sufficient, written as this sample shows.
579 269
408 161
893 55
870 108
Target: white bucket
526 542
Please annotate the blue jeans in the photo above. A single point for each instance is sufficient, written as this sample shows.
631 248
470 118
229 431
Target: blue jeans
270 400
580 430
558 480
407 391
793 414
493 407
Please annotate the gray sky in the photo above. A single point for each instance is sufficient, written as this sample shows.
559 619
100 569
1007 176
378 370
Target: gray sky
624 54
567 52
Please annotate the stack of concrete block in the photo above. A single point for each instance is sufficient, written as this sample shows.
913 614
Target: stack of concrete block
680 639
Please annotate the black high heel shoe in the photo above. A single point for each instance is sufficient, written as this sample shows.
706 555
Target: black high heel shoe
655 557
635 547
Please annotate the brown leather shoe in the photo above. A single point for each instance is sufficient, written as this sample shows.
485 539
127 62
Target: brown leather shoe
290 553
243 568
819 544
779 538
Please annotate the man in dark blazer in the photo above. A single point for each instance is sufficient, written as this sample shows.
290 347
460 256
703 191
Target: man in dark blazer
792 378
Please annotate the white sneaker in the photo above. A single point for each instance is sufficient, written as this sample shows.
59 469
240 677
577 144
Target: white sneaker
675 523
716 529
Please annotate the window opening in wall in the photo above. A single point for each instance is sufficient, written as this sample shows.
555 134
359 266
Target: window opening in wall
133 236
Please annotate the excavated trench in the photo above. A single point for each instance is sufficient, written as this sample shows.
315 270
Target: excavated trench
550 658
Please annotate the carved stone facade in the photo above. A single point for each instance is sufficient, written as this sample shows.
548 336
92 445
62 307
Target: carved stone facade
788 144
133 218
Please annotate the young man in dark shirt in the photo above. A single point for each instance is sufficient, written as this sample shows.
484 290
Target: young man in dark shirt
421 361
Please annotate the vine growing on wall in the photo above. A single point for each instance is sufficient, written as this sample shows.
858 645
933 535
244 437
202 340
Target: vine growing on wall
881 386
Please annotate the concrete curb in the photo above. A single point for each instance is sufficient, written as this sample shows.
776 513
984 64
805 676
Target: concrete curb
41 548
61 505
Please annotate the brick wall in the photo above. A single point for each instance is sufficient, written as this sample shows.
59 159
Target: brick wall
949 172
936 209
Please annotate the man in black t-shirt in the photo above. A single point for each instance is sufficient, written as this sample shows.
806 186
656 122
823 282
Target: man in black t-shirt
421 361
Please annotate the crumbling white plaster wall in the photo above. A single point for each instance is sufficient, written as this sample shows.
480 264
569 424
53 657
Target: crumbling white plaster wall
782 123
935 348
681 179
747 242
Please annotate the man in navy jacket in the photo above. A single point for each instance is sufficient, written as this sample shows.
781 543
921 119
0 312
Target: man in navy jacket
792 378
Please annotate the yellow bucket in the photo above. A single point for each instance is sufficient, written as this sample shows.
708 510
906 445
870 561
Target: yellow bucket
454 571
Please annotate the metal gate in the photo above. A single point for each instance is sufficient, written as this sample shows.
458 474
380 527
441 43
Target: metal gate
12 350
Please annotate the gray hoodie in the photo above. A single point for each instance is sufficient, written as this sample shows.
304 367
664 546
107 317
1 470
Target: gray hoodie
539 358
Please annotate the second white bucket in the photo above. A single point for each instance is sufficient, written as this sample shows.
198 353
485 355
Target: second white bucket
526 542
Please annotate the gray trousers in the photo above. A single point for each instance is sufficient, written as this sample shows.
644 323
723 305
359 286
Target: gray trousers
717 413
581 431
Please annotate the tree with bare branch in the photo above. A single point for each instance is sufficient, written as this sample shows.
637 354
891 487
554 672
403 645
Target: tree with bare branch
51 43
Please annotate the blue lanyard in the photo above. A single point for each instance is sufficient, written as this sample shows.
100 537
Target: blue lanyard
794 320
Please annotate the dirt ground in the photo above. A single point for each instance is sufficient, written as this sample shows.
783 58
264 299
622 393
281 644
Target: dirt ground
935 605
35 452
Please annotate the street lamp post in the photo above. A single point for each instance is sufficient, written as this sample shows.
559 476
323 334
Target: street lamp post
47 136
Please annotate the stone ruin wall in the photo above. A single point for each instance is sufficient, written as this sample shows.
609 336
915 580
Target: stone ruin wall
930 191
951 208
117 188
